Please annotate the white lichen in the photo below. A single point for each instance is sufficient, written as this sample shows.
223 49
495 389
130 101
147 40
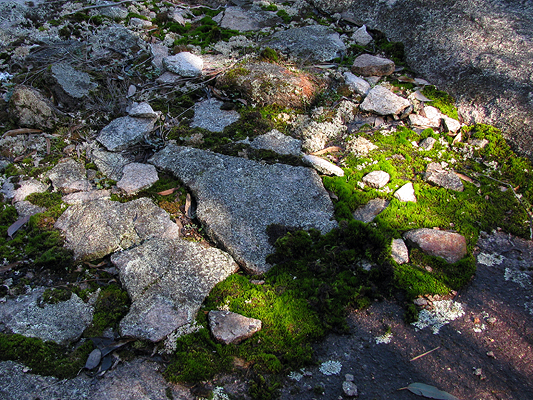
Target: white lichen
384 339
169 344
518 277
219 394
443 312
490 259
330 367
295 376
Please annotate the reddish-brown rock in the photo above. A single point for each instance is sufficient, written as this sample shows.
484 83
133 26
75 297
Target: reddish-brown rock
449 245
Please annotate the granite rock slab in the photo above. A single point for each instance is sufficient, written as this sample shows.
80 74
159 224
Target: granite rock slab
124 132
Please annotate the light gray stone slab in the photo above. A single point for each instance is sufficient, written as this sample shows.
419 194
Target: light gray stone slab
382 101
323 166
136 177
427 143
69 176
358 85
238 199
28 187
72 83
231 328
277 142
447 179
208 115
109 164
25 208
243 20
184 64
399 251
83 197
370 210
142 110
124 132
406 193
369 65
167 280
362 37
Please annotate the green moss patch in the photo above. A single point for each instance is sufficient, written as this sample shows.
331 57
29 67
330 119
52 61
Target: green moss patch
111 306
441 100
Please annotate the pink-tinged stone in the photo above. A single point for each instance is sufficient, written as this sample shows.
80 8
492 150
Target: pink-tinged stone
449 245
231 328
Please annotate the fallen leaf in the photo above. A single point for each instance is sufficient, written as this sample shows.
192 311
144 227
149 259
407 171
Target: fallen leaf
406 79
189 207
331 149
94 359
107 362
17 225
20 158
420 97
431 392
21 131
167 192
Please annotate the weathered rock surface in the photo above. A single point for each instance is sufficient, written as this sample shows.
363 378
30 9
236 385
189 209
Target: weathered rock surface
406 193
238 199
28 187
110 39
376 179
449 245
62 322
361 146
369 65
277 142
358 85
267 84
31 109
184 64
109 164
136 177
167 280
370 210
314 43
124 132
208 115
447 179
232 328
361 36
25 208
349 389
82 197
399 251
95 229
71 85
142 110
382 101
248 20
69 176
323 166
427 143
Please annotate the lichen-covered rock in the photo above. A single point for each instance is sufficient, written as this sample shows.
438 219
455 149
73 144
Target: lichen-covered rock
248 20
361 146
447 179
184 64
368 65
97 228
136 177
124 132
142 110
69 176
83 197
238 199
167 281
323 166
208 115
382 101
361 36
231 328
450 246
268 84
358 85
25 208
427 143
370 210
71 85
399 251
28 187
109 164
276 141
31 109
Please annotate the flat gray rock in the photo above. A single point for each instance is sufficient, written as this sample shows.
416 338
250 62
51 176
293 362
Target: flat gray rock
109 164
231 328
314 43
323 166
358 85
69 176
376 179
439 176
167 280
71 85
248 20
382 101
142 110
158 52
25 208
238 199
370 210
427 143
208 115
110 39
184 64
83 197
368 65
406 193
399 251
448 245
136 177
278 143
97 228
124 132
61 323
361 36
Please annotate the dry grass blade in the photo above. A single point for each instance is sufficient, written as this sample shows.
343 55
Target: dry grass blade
331 149
167 192
431 392
424 354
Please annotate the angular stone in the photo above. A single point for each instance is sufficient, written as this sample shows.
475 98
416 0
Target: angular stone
158 52
109 164
71 85
61 323
124 132
110 39
268 84
361 36
358 85
450 246
349 388
419 120
370 210
83 197
361 146
231 328
113 12
427 143
238 199
406 193
142 110
208 115
25 208
368 65
139 23
382 101
447 179
450 124
28 187
399 251
376 179
277 142
247 20
314 43
69 176
97 228
167 281
434 115
136 177
29 108
184 64
323 166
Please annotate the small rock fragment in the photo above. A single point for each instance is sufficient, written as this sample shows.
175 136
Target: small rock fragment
358 85
450 124
376 179
25 208
368 65
349 388
361 36
323 166
28 187
184 64
406 193
382 101
124 132
368 212
142 110
399 251
427 143
447 179
69 176
137 177
208 115
361 146
277 142
231 328
450 246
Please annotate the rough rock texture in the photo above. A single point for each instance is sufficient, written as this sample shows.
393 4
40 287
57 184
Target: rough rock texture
62 322
370 210
361 36
480 51
110 39
167 281
184 64
25 208
368 65
208 115
382 101
231 328
277 142
449 245
248 20
406 193
447 179
69 176
82 197
358 85
142 110
31 109
399 251
376 179
136 177
110 164
314 43
71 85
238 199
427 144
100 227
266 84
124 132
28 187
323 166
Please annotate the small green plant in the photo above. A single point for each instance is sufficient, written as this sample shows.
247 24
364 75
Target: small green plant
111 306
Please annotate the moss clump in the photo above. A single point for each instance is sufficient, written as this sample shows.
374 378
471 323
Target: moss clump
111 306
46 199
54 296
269 54
441 100
202 33
44 358
284 16
270 7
